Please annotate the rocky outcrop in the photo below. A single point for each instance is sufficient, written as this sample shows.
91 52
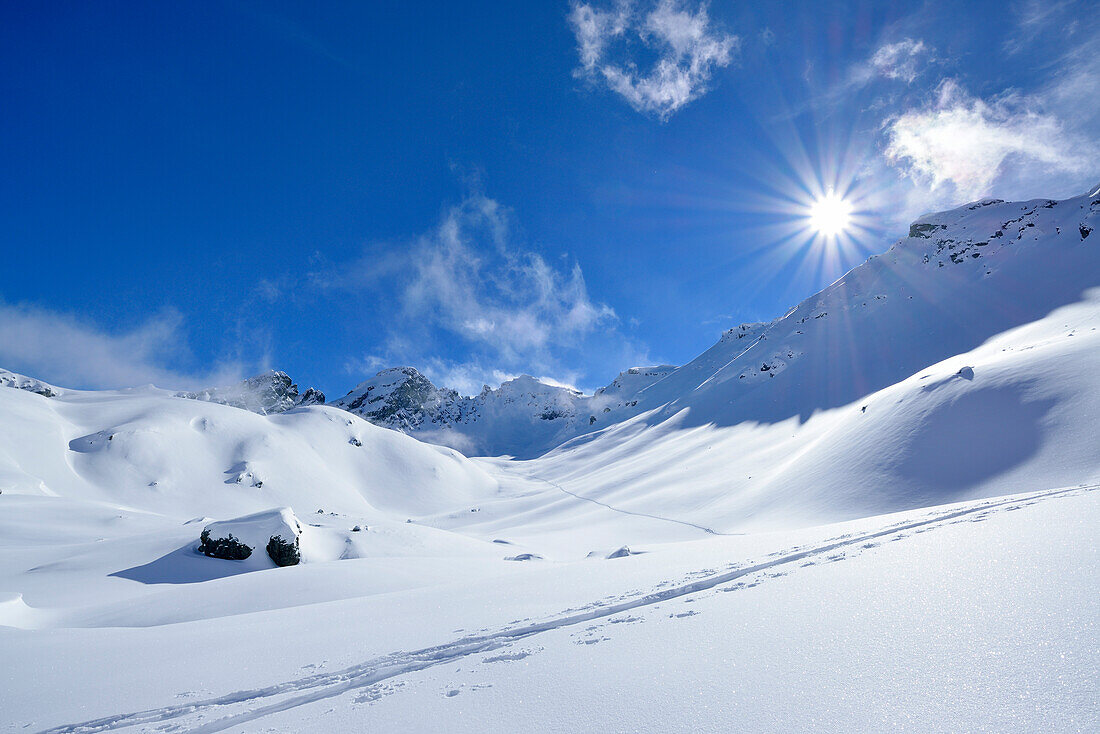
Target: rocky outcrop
271 392
405 400
21 382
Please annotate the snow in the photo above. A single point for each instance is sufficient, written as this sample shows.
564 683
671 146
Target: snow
715 633
876 512
148 449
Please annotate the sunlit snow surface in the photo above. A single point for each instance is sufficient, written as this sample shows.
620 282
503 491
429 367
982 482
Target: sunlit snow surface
893 526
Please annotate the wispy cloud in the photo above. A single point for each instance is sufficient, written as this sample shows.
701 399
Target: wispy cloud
472 288
468 276
73 352
688 50
1033 17
901 60
966 142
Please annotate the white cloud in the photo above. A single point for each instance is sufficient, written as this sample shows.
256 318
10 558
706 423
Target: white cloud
65 350
967 143
468 278
903 60
687 47
899 60
476 307
468 378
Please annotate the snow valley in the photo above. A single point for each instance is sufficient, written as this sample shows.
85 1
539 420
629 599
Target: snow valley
877 511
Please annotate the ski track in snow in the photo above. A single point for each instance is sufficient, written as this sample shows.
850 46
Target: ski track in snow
555 485
328 685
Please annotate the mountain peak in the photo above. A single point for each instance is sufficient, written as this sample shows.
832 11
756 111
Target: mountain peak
267 393
22 382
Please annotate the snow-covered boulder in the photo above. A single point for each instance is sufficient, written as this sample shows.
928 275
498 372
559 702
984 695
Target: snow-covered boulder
267 537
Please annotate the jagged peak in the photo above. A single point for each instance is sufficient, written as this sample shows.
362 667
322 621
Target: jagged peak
402 373
270 392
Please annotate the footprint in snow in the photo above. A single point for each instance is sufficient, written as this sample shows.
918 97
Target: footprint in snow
374 693
592 640
508 656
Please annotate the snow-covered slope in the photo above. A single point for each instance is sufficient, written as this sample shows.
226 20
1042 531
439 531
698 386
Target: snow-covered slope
975 617
149 450
961 363
961 277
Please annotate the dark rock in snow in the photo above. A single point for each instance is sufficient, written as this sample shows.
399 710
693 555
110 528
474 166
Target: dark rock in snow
284 552
226 547
923 229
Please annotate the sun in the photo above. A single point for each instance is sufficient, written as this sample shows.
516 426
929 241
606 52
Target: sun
830 215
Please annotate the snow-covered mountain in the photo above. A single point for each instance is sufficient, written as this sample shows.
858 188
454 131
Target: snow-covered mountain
958 279
271 392
958 364
524 417
962 366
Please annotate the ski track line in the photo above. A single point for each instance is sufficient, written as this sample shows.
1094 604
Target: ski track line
327 685
709 531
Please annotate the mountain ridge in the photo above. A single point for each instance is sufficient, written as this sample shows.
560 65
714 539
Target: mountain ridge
952 257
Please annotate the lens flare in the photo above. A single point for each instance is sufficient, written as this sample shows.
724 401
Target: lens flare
830 215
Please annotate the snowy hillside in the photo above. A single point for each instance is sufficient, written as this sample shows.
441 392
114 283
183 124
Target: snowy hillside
916 378
960 277
154 452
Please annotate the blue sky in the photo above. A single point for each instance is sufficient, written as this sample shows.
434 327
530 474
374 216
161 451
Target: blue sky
197 192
